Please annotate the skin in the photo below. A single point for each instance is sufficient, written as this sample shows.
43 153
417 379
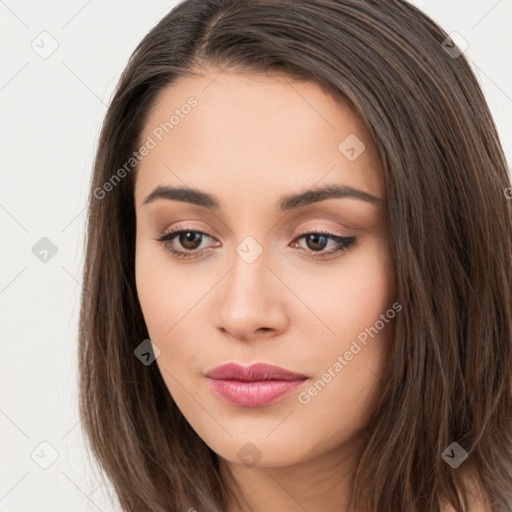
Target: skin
249 141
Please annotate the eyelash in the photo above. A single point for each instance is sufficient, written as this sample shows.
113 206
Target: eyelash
343 242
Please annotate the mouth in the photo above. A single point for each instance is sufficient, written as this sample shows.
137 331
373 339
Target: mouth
255 386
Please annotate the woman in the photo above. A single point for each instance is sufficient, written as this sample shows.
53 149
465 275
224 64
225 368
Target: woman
297 281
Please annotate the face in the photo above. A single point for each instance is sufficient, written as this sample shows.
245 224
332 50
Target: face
248 273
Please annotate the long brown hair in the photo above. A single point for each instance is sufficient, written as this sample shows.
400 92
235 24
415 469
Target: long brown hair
450 234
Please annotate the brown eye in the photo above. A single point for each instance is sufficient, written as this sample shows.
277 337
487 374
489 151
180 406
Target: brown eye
317 241
185 243
189 239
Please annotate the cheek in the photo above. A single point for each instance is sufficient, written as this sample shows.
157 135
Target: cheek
165 290
172 298
157 290
150 290
360 318
347 298
361 293
350 297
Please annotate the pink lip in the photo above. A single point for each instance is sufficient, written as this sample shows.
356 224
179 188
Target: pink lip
254 386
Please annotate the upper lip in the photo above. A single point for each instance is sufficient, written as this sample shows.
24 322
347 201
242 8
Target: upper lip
255 372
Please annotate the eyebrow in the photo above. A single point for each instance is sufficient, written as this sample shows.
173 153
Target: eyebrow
286 203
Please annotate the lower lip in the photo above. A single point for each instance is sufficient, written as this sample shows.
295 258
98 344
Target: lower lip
254 394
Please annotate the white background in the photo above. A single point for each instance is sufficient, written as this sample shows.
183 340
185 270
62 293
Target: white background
52 111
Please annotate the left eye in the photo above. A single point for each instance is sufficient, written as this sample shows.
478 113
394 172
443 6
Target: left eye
191 240
317 241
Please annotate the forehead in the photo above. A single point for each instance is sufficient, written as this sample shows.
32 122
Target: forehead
254 133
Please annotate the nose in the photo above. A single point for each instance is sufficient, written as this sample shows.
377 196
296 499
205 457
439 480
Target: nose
250 304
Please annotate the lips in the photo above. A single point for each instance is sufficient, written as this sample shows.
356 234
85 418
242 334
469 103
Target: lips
255 372
254 386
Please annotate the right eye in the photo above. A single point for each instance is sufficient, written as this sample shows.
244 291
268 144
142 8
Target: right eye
187 238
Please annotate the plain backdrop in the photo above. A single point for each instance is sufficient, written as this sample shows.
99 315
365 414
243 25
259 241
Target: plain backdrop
52 107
